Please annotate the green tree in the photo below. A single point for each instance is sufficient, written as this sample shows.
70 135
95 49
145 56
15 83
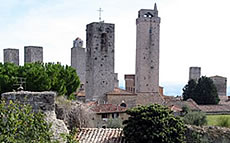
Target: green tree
153 123
189 89
18 124
204 92
40 77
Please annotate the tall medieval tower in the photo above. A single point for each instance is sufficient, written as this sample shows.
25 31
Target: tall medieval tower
99 60
147 51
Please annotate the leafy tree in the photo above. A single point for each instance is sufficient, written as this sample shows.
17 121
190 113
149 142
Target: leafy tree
18 124
206 92
153 123
40 77
115 123
189 89
203 92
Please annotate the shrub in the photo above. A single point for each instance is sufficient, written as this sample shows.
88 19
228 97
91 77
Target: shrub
19 124
223 122
115 123
153 123
195 118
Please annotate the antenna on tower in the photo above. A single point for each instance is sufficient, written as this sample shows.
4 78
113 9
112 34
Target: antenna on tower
100 11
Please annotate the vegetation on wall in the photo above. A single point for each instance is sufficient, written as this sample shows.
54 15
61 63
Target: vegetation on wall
39 77
153 123
204 92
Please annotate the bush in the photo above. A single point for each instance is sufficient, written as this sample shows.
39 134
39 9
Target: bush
19 124
223 122
115 123
195 118
153 123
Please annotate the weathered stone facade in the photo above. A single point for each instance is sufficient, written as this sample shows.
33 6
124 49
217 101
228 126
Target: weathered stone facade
11 56
40 101
78 59
130 82
194 73
221 84
33 54
147 51
99 60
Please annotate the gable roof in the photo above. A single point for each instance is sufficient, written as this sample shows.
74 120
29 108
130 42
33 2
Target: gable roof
100 135
224 108
119 91
179 103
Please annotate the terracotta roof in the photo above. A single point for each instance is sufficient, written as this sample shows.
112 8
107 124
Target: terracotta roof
215 108
175 108
107 108
100 135
224 100
119 91
179 103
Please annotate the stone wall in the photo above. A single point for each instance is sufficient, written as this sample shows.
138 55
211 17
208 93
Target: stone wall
40 101
11 56
33 54
209 134
129 100
194 73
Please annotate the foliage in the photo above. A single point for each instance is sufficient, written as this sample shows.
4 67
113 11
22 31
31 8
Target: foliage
71 137
19 124
186 109
214 119
195 118
115 123
204 92
39 77
223 122
153 123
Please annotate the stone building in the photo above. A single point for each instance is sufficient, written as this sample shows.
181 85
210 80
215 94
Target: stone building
11 56
130 82
99 61
147 51
194 73
78 59
33 54
221 84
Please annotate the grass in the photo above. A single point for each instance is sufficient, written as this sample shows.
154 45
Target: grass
215 120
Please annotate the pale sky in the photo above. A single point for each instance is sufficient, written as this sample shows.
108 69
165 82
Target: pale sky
192 33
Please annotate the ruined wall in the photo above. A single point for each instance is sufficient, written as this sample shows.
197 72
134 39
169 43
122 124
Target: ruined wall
78 59
221 85
147 51
40 101
11 56
33 54
209 134
194 73
99 60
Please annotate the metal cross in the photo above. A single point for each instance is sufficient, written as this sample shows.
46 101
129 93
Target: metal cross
100 11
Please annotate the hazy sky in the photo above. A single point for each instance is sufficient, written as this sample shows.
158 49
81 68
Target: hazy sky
193 33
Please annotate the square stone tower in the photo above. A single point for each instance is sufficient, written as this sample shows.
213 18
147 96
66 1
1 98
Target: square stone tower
78 59
194 73
11 56
99 60
221 84
147 51
33 54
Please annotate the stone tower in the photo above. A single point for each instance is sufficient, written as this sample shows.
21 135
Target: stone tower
11 56
99 60
33 54
221 84
147 51
78 59
194 73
